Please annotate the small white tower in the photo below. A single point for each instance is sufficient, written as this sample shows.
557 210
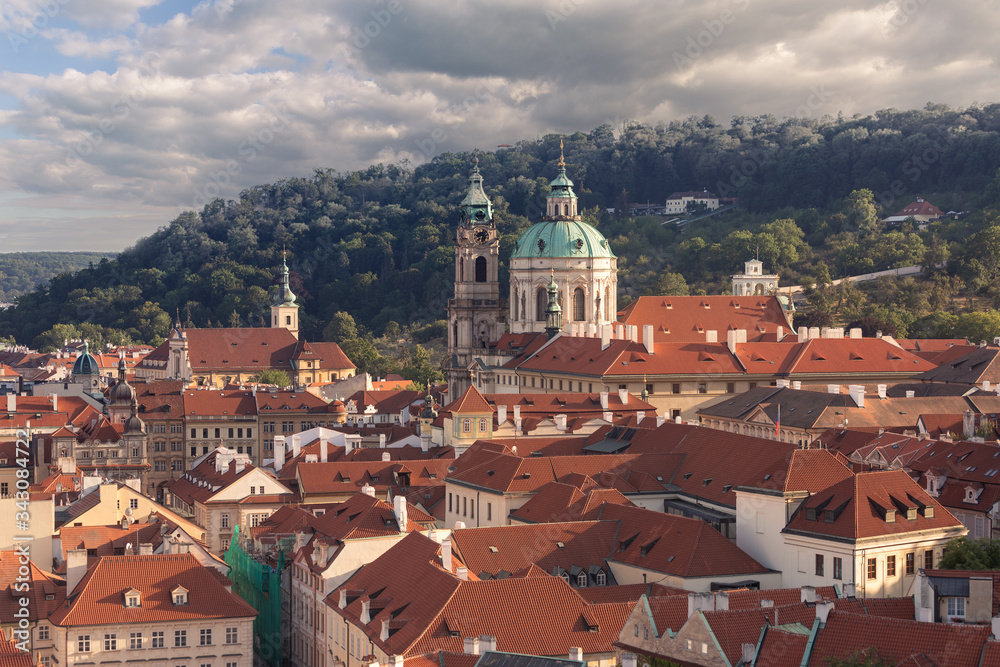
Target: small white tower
285 313
753 281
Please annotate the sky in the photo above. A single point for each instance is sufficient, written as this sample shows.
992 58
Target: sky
117 115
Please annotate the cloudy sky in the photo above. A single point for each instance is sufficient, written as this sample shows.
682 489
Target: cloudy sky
115 115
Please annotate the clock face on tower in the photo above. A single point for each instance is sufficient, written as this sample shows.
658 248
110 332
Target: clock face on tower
481 235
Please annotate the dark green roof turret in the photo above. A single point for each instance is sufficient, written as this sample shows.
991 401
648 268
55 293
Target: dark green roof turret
86 363
476 207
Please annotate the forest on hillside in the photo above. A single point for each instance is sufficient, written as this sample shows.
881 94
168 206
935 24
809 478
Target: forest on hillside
371 253
22 272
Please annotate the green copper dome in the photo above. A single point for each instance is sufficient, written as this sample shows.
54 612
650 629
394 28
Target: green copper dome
476 206
86 363
562 238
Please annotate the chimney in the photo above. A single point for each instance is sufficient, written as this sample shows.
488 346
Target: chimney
487 643
968 424
605 337
722 601
628 660
749 651
446 554
368 490
146 549
660 420
623 396
823 610
833 388
779 333
604 400
76 567
782 384
986 386
279 452
995 624
620 331
470 645
517 414
711 336
241 465
849 591
698 601
342 603
296 445
731 341
803 334
813 332
501 414
366 611
608 416
381 440
560 422
911 393
882 388
386 456
855 333
55 403
678 419
399 509
797 384
647 338
825 332
324 451
639 416
11 403
462 572
857 392
576 653
633 332
395 661
808 594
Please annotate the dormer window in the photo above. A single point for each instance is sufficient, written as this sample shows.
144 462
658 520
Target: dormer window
581 580
601 579
133 598
565 576
179 595
971 495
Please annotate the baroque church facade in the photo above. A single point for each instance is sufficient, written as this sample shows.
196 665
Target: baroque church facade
561 264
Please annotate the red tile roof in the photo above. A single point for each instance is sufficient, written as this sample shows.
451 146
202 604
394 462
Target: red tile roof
216 403
809 470
472 401
705 313
782 648
860 506
751 599
12 656
328 354
108 540
42 585
99 598
631 593
232 350
943 644
337 477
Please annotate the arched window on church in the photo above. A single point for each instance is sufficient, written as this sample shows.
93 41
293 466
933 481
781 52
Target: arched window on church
461 269
454 333
579 303
607 302
541 301
565 209
480 269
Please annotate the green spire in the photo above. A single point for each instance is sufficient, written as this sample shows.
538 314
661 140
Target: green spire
561 185
476 207
287 297
553 312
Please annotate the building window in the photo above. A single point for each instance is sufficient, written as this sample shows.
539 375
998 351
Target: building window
819 565
482 425
489 511
541 301
225 544
111 642
465 506
204 433
601 579
180 638
579 305
929 559
649 388
702 388
581 580
232 635
231 431
194 433
218 432
43 632
194 451
224 521
83 644
466 426
676 387
135 640
909 563
206 637
872 568
449 502
157 639
890 566
956 607
838 568
730 387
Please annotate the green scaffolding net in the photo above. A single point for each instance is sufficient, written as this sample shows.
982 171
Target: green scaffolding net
260 585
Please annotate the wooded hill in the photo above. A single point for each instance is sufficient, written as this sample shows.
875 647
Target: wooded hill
21 272
376 244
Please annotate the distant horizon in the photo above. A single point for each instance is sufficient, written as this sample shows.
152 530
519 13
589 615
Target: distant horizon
116 115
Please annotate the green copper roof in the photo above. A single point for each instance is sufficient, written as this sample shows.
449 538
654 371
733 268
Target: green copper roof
86 363
561 185
562 238
476 202
286 296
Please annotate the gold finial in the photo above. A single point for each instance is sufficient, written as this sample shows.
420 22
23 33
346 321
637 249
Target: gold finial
562 160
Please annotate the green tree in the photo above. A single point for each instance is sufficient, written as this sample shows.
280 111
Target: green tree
54 339
965 554
862 214
341 328
978 326
273 376
669 284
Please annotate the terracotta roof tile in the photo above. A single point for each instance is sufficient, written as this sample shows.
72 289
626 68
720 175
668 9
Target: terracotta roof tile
782 648
42 586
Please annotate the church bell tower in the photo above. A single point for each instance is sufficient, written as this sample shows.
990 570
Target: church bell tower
475 316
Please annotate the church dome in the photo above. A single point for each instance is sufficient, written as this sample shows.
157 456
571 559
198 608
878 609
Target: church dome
86 363
134 425
561 238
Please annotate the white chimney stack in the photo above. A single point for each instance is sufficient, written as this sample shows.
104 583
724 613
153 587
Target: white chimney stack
882 388
620 331
368 490
857 392
647 338
446 553
76 568
833 388
604 400
501 414
854 333
605 337
813 332
470 645
296 445
803 334
623 396
576 653
279 452
386 457
324 449
517 413
560 422
399 509
462 572
796 384
711 336
55 403
11 403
